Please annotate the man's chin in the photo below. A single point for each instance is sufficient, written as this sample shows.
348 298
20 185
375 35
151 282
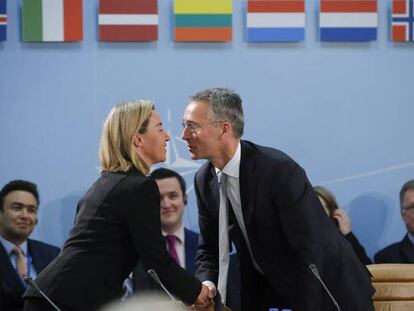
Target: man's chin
194 156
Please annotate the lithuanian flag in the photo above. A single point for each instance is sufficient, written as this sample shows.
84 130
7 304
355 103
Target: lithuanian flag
203 20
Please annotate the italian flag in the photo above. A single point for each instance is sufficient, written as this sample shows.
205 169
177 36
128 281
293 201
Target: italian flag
52 20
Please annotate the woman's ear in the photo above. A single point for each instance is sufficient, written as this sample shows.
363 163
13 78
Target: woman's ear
137 141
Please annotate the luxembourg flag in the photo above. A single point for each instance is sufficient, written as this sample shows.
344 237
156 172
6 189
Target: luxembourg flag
275 20
348 20
3 20
52 20
402 20
128 20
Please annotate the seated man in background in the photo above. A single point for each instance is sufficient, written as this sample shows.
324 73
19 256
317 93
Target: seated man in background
181 242
342 221
403 251
19 255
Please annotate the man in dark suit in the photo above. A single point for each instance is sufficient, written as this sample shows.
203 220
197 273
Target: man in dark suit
19 201
274 218
403 251
173 199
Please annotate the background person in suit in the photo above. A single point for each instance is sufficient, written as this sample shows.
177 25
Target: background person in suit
117 222
173 197
19 202
403 251
341 220
274 218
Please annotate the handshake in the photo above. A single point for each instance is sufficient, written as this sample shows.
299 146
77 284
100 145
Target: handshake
205 300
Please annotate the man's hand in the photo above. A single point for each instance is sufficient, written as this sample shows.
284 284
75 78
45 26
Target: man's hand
205 298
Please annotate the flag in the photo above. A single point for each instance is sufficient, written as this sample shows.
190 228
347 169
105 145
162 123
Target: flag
402 20
203 20
52 20
128 20
275 20
348 20
3 20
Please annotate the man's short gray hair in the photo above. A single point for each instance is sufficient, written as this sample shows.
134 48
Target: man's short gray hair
223 105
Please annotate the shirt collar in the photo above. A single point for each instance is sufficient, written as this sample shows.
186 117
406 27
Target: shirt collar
179 234
9 246
232 167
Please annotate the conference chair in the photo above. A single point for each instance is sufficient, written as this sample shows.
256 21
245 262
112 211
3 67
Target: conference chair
394 285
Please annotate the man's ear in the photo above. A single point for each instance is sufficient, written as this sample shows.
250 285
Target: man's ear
226 128
185 199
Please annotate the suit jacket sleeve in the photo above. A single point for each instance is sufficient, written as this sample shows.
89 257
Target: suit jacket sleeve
150 243
358 248
207 254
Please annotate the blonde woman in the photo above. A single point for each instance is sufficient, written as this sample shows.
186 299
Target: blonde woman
117 222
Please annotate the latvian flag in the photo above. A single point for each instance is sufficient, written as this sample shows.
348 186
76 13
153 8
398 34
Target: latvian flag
52 20
3 20
275 20
128 20
203 20
348 20
402 20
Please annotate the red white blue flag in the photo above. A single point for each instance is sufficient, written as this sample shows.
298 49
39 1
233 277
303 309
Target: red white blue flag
275 20
402 20
348 20
3 20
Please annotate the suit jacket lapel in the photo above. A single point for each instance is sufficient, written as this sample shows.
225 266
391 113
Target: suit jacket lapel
408 249
214 200
248 182
11 281
35 255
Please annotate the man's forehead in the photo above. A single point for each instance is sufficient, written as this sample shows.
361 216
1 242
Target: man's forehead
408 198
20 196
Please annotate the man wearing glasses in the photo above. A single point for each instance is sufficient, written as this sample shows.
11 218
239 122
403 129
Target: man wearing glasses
403 251
261 200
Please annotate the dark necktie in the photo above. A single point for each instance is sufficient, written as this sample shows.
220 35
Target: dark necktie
172 241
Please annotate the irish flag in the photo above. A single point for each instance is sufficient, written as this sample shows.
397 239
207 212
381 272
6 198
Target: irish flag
52 20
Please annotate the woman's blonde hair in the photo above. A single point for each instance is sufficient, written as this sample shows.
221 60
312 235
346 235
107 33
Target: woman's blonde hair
328 197
117 152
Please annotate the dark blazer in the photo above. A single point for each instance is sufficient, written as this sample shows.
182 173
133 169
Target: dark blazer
358 248
117 224
288 230
142 281
401 252
11 286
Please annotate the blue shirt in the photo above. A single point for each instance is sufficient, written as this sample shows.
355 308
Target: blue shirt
9 246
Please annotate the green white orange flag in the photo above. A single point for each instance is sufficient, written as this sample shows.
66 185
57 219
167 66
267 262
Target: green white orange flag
52 20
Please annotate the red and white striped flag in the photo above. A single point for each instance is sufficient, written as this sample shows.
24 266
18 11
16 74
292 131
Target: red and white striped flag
128 20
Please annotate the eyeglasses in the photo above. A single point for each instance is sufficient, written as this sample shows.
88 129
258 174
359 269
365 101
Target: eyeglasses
409 210
194 127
